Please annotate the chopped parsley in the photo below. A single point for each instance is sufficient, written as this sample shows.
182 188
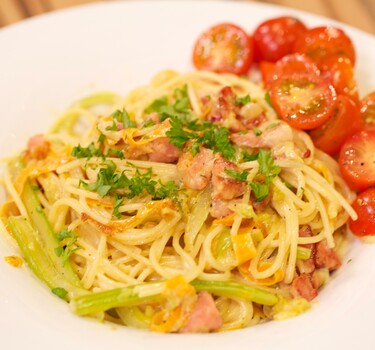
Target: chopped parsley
266 173
86 152
257 131
124 118
205 133
242 101
247 157
68 239
109 180
180 109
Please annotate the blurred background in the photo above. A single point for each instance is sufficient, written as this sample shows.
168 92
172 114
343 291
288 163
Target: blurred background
358 13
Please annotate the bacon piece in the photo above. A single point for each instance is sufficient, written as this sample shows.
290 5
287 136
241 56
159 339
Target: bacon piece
220 207
326 257
224 186
302 286
254 122
205 316
195 171
224 111
38 147
268 139
261 205
163 151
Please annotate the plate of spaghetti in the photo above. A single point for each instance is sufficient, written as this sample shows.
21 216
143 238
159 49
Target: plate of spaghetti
176 182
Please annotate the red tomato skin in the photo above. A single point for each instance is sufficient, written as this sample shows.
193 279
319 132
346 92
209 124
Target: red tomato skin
267 71
357 160
275 38
339 71
224 48
368 111
364 206
345 121
320 42
297 73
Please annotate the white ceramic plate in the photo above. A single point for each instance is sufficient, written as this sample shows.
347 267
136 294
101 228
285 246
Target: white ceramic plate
48 62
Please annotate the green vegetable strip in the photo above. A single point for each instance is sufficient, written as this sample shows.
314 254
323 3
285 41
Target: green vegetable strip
69 120
119 297
303 253
236 290
46 235
36 257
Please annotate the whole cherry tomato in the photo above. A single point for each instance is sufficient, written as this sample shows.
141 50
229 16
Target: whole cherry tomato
224 48
345 121
364 206
274 38
320 42
368 111
357 160
340 72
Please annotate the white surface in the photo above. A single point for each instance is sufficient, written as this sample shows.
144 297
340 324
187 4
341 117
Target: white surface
48 62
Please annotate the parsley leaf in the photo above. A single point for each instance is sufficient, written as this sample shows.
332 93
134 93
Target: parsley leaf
69 239
242 100
178 135
257 131
118 203
237 175
266 164
86 152
261 191
124 118
247 157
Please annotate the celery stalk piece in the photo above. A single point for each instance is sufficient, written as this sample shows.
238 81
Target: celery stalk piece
303 253
46 235
68 121
119 297
37 259
237 290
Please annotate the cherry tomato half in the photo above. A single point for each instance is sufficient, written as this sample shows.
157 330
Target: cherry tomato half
224 48
357 160
364 206
274 38
345 121
368 111
299 95
320 42
266 70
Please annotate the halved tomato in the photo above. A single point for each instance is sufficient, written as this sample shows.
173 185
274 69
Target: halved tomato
357 160
266 70
274 38
364 206
368 111
299 95
345 121
320 42
224 48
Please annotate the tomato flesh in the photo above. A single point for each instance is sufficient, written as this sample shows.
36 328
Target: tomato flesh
345 121
224 48
275 37
320 42
364 206
299 95
357 160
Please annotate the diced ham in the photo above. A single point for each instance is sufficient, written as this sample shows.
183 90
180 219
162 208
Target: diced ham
254 122
326 257
163 151
224 186
268 139
38 147
303 287
195 171
205 316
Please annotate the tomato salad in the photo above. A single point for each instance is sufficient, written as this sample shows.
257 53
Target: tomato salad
309 75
